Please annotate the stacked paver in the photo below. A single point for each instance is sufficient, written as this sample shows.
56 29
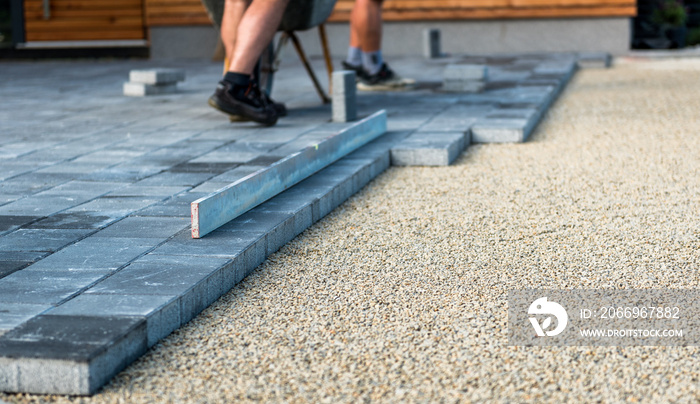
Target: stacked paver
153 82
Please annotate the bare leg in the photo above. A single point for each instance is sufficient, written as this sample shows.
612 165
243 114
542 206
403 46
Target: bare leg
255 31
233 13
366 25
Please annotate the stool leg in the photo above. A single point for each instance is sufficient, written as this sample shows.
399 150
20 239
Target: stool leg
326 55
309 69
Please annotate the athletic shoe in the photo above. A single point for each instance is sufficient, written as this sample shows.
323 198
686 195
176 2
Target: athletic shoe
278 106
248 103
384 80
359 71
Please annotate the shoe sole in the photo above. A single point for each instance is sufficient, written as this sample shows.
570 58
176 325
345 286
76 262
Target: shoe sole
384 87
237 115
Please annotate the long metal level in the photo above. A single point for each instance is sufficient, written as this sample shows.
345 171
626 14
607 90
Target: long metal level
224 205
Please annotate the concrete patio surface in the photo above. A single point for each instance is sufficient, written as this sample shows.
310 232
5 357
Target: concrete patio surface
399 295
96 259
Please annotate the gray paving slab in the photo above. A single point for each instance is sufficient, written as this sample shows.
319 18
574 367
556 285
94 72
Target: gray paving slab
162 312
46 287
96 254
96 259
429 149
14 314
145 227
46 240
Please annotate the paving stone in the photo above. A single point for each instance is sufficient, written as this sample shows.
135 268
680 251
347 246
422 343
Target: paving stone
210 167
194 284
36 205
177 206
189 179
222 245
75 220
37 287
237 173
14 314
148 191
48 240
69 355
96 254
8 170
431 43
162 313
141 89
429 149
12 222
8 267
125 173
144 227
125 204
344 97
236 153
157 76
502 130
265 160
210 186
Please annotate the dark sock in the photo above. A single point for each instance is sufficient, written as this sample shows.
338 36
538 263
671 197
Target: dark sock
237 79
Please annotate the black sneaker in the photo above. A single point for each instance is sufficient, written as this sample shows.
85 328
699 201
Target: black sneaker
248 103
384 80
278 106
359 71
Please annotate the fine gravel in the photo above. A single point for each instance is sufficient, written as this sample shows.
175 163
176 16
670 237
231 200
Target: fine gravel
400 294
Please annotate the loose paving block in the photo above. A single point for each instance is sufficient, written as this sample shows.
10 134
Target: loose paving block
141 89
502 130
218 208
431 43
157 76
344 101
429 149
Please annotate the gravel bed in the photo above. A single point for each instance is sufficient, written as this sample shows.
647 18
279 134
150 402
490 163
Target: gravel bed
400 294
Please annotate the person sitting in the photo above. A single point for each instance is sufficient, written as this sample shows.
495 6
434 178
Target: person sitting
247 27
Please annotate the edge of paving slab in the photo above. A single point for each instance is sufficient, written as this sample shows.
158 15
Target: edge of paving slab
68 362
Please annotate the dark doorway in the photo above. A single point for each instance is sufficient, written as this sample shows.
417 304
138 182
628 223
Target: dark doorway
666 24
5 24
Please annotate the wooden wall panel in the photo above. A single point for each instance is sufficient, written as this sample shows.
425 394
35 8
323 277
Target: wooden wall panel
188 12
175 12
417 10
76 20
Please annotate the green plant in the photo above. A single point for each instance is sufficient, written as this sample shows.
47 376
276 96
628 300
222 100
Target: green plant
693 37
670 13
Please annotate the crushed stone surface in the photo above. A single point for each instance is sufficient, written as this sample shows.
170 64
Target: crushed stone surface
399 295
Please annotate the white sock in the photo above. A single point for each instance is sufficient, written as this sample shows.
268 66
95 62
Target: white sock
372 61
354 56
